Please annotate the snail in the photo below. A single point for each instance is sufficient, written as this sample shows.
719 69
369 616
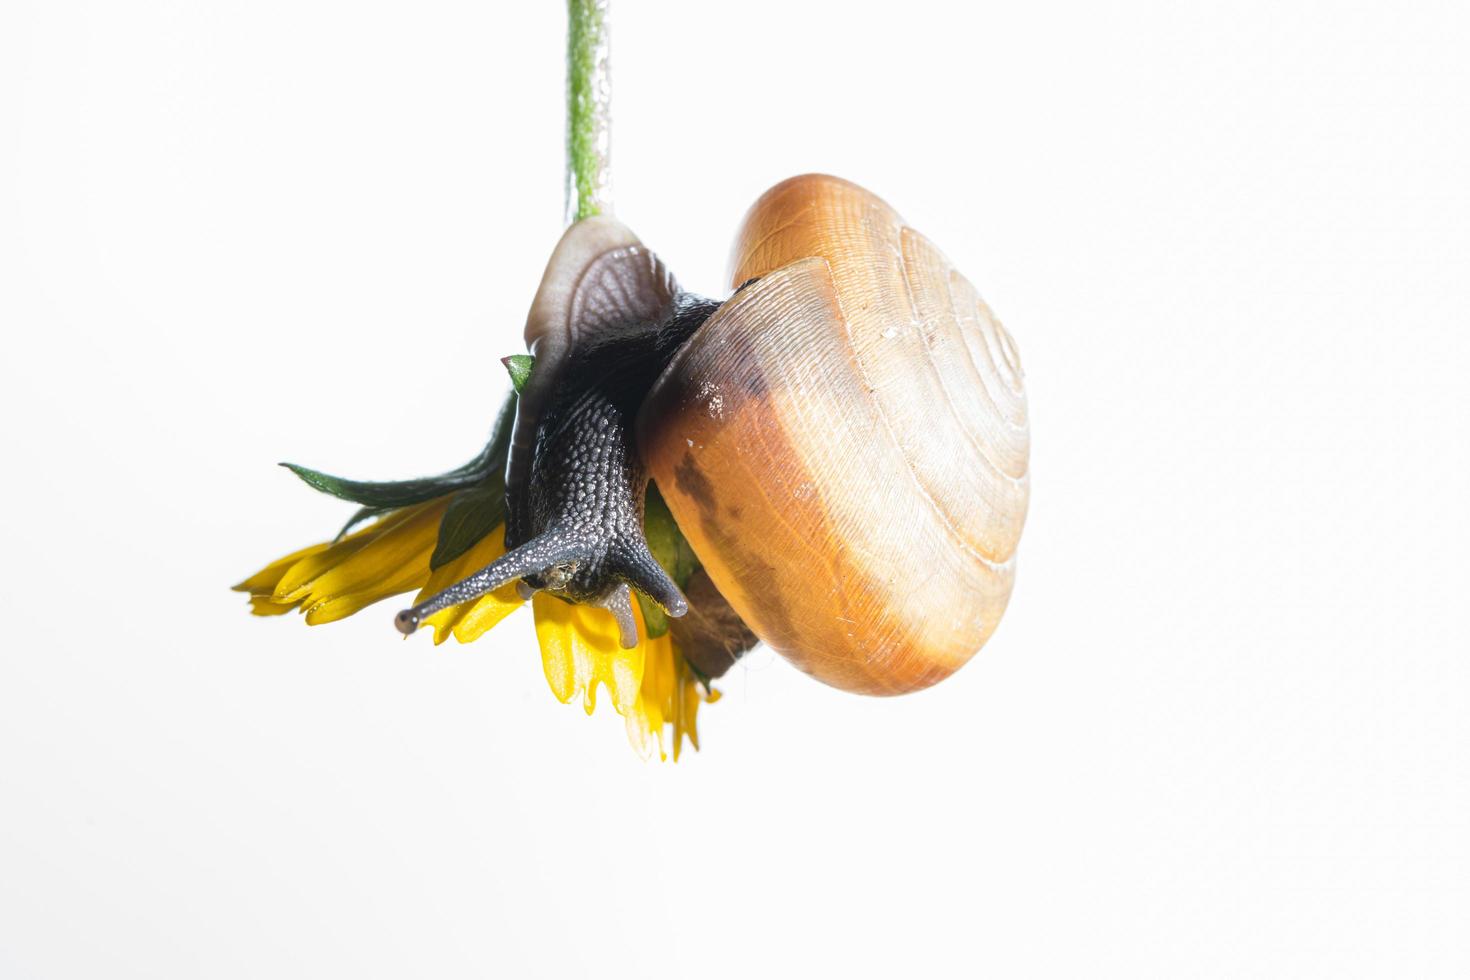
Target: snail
843 442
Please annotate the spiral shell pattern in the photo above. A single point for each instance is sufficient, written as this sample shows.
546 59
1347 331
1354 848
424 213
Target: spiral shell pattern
845 443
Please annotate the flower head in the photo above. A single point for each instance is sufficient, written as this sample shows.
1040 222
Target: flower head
427 535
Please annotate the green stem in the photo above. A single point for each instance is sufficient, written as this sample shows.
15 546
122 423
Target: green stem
589 93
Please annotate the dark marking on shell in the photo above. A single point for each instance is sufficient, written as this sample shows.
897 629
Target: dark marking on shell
690 480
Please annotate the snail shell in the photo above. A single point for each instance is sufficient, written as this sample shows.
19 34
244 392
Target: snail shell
845 443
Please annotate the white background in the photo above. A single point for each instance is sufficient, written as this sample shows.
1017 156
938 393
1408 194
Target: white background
1224 730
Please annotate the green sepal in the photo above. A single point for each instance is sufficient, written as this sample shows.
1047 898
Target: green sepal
518 366
670 549
383 496
473 513
404 493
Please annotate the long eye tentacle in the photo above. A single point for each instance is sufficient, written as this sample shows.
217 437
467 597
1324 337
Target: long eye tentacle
537 555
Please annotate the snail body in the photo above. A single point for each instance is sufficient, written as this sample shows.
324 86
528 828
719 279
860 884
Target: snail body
843 442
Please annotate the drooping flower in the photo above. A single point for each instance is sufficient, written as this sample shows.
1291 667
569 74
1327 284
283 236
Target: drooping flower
425 535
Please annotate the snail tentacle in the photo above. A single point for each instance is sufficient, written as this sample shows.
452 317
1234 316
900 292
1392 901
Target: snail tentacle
641 570
619 602
548 554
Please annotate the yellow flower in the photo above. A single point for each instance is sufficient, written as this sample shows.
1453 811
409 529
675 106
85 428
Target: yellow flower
651 685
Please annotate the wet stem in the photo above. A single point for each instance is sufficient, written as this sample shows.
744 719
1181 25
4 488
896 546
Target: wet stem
588 96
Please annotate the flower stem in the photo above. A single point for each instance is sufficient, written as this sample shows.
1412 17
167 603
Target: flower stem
589 94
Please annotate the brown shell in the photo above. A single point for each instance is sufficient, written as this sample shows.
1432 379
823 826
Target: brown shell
845 443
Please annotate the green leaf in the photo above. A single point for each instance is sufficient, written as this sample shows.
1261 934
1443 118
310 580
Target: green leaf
670 549
519 367
403 493
473 513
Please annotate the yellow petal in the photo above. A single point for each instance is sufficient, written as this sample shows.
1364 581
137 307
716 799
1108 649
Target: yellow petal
332 580
669 698
301 576
263 582
469 620
394 560
264 605
486 612
653 687
558 647
580 651
330 608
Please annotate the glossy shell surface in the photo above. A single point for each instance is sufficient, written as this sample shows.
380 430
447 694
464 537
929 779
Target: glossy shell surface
845 443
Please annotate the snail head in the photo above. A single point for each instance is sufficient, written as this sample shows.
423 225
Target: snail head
575 483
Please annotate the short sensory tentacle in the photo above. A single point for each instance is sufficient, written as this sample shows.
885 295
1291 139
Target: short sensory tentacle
619 602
